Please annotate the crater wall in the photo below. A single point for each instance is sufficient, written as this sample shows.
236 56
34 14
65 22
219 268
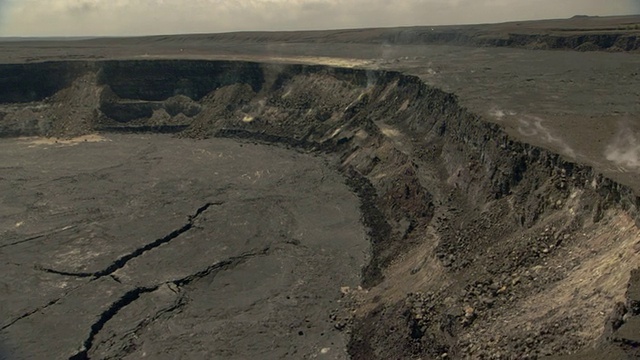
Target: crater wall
480 243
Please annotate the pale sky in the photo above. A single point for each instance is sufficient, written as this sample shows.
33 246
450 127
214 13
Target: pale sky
144 17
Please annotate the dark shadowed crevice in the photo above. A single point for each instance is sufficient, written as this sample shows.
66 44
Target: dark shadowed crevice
132 295
122 261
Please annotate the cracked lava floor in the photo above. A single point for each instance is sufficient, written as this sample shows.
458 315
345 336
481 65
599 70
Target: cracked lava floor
131 246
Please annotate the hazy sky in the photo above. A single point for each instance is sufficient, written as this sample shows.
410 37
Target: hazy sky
139 17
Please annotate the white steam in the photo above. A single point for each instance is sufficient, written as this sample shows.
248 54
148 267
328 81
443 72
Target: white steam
531 126
624 150
499 114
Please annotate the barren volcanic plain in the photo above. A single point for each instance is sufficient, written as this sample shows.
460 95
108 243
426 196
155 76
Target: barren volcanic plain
459 192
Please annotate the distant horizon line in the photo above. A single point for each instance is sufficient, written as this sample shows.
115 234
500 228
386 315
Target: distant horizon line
89 37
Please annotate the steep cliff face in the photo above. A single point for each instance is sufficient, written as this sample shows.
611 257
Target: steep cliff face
481 245
24 83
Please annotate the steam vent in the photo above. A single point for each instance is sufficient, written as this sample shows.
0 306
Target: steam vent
413 193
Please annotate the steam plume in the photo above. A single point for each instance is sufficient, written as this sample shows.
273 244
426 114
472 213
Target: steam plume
624 150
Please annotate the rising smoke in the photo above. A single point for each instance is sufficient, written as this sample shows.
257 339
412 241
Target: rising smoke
624 149
532 126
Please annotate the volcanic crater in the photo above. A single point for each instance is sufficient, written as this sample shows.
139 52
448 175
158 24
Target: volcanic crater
237 209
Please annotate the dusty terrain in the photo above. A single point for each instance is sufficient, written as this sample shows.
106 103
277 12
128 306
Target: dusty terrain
501 213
